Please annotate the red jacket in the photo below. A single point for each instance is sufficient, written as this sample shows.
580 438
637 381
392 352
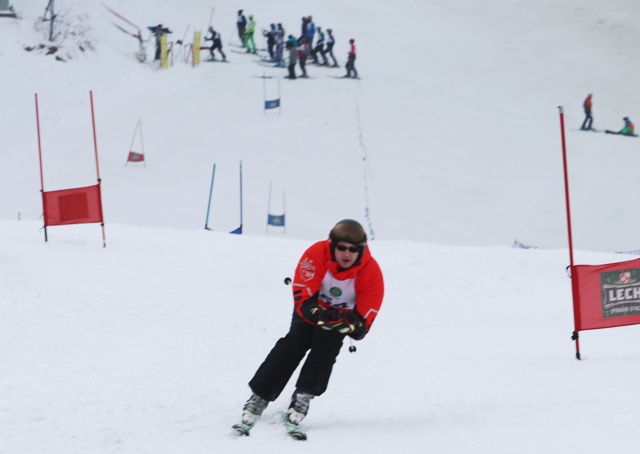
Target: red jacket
359 288
352 50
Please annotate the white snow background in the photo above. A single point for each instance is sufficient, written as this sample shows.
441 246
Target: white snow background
451 139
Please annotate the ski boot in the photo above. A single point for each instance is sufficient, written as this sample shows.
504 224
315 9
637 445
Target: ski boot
299 407
251 411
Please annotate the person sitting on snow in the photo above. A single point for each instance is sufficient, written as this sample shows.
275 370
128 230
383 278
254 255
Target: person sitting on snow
628 129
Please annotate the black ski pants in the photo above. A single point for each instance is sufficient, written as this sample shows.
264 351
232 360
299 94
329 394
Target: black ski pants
351 67
329 50
292 71
276 370
588 121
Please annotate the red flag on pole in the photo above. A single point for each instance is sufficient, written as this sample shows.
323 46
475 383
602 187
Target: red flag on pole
73 206
608 295
136 156
604 296
76 205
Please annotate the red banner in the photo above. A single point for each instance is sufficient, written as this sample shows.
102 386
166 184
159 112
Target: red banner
72 206
135 157
607 295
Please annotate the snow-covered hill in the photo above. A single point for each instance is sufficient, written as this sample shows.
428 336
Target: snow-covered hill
451 141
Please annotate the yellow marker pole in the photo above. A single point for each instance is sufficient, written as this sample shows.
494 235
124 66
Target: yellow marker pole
196 48
163 52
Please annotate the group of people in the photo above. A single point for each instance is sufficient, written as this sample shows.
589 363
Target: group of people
587 125
313 43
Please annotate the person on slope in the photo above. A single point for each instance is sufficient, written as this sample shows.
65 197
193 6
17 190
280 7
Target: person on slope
628 128
338 289
278 56
329 49
351 60
216 43
310 31
271 36
249 42
587 105
319 49
241 23
292 47
303 54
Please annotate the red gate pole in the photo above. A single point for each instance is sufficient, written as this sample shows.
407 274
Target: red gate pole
574 281
95 147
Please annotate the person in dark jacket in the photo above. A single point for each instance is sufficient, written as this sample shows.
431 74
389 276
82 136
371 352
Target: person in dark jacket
329 49
216 43
338 290
158 32
241 23
319 49
292 47
271 36
278 54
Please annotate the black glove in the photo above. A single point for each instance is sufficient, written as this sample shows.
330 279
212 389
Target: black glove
350 323
357 322
310 309
341 325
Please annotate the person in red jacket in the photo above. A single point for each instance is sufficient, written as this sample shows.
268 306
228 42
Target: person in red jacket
337 291
351 60
588 121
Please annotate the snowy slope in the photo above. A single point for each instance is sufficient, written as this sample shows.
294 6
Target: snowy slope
452 141
456 109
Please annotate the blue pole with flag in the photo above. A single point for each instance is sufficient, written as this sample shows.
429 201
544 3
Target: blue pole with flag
276 220
238 231
206 221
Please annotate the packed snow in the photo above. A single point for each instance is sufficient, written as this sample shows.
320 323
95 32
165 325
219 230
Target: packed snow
447 150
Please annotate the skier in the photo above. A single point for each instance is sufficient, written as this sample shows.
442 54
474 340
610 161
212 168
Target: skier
310 31
292 46
158 31
249 42
303 27
329 49
241 23
627 129
587 104
351 59
319 49
271 36
278 57
303 53
337 290
216 43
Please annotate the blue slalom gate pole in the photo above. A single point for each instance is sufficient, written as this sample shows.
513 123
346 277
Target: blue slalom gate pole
206 221
238 231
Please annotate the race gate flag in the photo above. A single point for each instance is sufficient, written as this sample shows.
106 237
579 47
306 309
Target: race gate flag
276 220
604 296
136 156
270 103
75 205
608 295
